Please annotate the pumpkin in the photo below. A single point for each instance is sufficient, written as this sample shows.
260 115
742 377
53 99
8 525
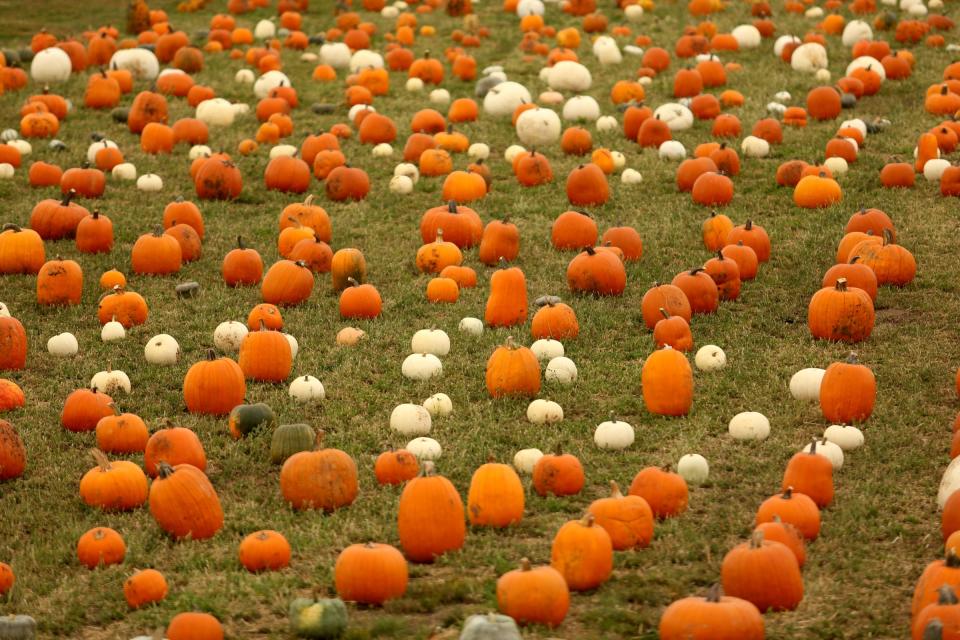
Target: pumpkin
583 554
100 546
533 596
500 241
587 185
512 370
144 587
856 275
936 574
795 509
430 518
265 550
507 304
764 573
847 392
246 418
817 191
323 618
347 183
491 625
214 385
811 474
147 107
573 230
891 263
191 624
265 355
370 573
11 395
627 519
559 474
664 491
396 467
110 486
83 409
938 619
94 234
13 454
184 503
217 179
321 479
289 439
598 272
787 534
673 331
753 236
121 433
126 307
360 301
54 219
287 283
668 297
667 383
700 289
173 445
461 225
495 498
434 256
627 239
712 617
554 320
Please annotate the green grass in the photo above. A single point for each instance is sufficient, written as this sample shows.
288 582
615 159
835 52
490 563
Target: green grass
876 538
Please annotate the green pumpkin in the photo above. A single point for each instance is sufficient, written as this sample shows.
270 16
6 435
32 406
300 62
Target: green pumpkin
318 618
492 626
289 439
246 417
17 627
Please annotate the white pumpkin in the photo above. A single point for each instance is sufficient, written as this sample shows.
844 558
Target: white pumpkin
809 57
162 349
198 151
471 326
264 30
813 13
309 57
503 99
439 405
24 147
781 43
829 450
933 169
541 411
6 170
619 160
357 108
613 434
846 437
410 419
284 150
244 76
747 36
335 54
307 389
631 176
693 468
538 127
749 425
568 75
949 482
9 134
440 97
867 62
124 171
606 51
294 345
435 341
478 151
421 366
110 381
512 152
216 112
776 108
268 82
633 12
710 358
855 123
634 50
837 165
854 31
407 169
805 384
413 85
141 63
150 182
823 76
112 331
63 345
526 459
96 146
229 335
561 370
401 185
390 13
672 150
917 10
382 150
546 349
240 108
530 8
365 59
424 448
606 124
677 116
754 147
4 310
552 98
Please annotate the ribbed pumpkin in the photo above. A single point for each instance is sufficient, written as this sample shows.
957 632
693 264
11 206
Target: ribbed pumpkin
627 519
507 303
583 554
811 474
713 617
500 241
795 509
370 573
265 356
840 313
559 474
936 574
287 283
461 225
597 272
119 485
184 503
13 455
495 498
173 445
265 550
430 518
764 573
513 370
320 479
848 391
533 596
214 385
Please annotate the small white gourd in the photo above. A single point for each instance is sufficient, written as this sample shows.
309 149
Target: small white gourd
541 411
162 349
613 434
710 358
435 341
421 366
749 425
307 389
546 349
561 370
471 326
439 405
424 448
526 459
229 335
63 345
693 468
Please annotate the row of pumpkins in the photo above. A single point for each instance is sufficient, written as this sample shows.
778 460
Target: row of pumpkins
431 514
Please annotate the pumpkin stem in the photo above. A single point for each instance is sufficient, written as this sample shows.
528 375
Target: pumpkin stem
211 355
695 270
68 196
12 227
525 564
756 540
615 490
100 458
952 560
320 435
428 469
502 262
452 206
263 325
887 237
664 313
439 235
590 251
240 244
353 282
788 494
588 520
749 225
933 630
946 595
852 358
116 411
854 259
558 450
164 470
713 594
841 284
813 447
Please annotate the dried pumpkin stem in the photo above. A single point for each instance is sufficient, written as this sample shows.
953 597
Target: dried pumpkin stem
101 459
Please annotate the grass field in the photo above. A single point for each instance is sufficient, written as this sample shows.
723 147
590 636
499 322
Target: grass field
880 532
